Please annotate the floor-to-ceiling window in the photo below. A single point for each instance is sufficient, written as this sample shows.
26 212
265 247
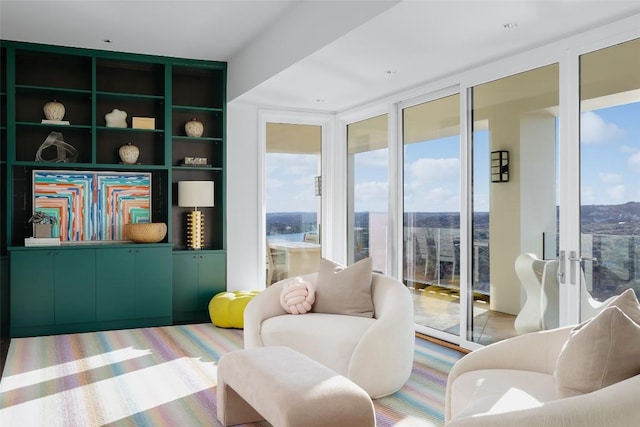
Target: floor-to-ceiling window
514 145
368 189
431 199
609 173
293 189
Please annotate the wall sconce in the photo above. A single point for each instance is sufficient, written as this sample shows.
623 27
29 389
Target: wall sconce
500 166
195 194
318 185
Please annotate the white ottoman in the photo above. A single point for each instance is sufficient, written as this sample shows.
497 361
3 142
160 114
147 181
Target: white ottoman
288 389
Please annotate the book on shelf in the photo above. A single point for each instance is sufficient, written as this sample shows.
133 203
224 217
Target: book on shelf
42 241
55 122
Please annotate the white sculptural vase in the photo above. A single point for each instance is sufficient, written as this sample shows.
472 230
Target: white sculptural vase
129 154
54 110
194 128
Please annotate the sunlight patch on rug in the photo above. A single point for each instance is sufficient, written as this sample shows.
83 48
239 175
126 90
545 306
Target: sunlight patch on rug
28 378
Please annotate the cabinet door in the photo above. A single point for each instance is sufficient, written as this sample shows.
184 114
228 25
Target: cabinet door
211 280
114 284
32 288
185 283
75 286
152 278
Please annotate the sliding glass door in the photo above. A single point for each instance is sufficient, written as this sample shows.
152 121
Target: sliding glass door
609 254
368 189
514 144
431 220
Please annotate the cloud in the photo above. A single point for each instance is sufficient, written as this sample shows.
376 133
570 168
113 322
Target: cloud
587 196
595 130
290 182
616 194
611 178
375 158
429 171
634 162
371 196
432 185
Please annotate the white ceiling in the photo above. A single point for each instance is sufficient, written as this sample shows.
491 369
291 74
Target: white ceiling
357 51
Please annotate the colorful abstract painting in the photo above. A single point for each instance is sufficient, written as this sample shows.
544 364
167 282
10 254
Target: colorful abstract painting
92 205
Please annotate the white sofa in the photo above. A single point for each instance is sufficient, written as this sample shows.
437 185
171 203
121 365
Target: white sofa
511 383
375 353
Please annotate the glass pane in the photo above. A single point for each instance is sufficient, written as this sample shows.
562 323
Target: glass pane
514 203
293 189
609 173
368 169
431 260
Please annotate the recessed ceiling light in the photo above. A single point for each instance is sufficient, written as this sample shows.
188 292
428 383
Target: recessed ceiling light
320 100
391 72
510 25
107 41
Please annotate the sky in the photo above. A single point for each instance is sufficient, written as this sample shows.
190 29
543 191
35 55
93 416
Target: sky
610 155
610 170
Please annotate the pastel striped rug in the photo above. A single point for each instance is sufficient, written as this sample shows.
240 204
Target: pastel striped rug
166 376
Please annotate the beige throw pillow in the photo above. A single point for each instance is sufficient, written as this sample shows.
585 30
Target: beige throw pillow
627 302
344 290
600 352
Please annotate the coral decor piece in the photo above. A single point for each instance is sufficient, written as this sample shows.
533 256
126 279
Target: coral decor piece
297 296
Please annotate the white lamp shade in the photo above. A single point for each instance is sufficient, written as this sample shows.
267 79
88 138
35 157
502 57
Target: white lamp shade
196 194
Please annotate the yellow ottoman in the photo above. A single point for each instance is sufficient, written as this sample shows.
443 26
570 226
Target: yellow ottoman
226 309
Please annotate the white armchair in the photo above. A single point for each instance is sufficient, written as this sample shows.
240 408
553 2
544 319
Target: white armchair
375 353
511 383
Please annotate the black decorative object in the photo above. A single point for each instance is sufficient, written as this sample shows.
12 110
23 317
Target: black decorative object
500 166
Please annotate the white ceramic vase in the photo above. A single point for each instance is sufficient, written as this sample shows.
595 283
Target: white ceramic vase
129 154
54 110
194 128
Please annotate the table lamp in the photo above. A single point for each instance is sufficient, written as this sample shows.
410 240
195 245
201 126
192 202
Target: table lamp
195 194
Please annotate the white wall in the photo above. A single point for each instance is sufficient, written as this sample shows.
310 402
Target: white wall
243 239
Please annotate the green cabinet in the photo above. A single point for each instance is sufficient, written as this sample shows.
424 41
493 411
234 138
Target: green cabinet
197 277
52 287
71 289
75 286
133 283
32 288
152 283
114 284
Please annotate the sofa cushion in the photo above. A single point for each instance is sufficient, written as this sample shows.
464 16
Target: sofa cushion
344 290
496 391
627 302
599 352
327 338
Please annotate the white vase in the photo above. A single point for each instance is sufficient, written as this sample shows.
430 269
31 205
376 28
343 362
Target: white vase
194 128
129 154
54 110
116 119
